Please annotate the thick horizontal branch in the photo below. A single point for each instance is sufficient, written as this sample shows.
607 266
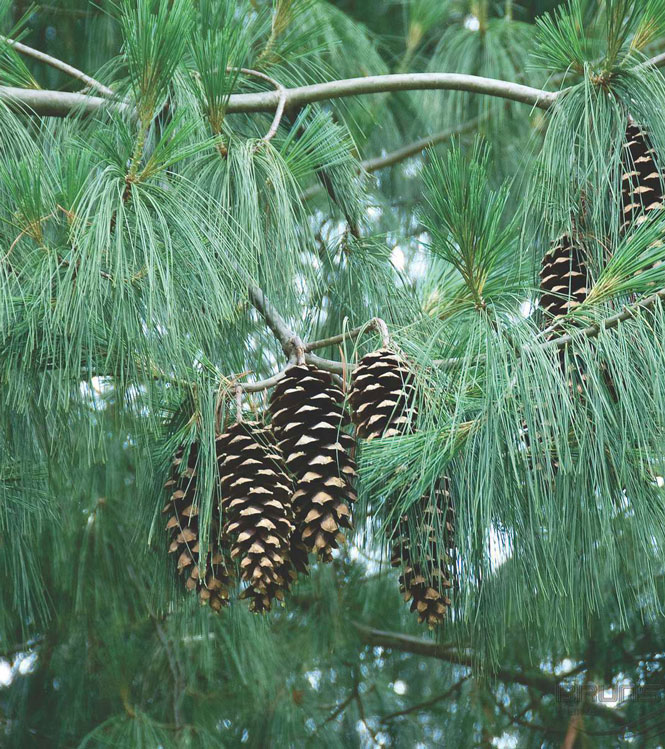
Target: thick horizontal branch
53 103
61 104
379 84
542 682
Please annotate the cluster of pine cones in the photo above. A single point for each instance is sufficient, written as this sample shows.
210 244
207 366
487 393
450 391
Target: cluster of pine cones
565 278
287 489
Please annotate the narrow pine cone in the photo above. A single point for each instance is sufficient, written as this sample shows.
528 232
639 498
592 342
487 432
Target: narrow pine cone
307 419
382 395
641 181
212 578
421 551
256 502
564 280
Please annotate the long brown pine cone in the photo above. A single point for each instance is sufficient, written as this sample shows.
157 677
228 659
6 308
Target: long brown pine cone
425 536
641 181
256 504
382 395
307 419
213 578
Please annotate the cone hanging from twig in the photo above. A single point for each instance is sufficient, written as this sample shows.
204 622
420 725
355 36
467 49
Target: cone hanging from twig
382 395
307 420
425 538
256 503
211 577
641 181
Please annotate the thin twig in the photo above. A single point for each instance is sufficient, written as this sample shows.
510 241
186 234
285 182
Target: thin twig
57 64
428 703
238 394
375 323
411 149
281 91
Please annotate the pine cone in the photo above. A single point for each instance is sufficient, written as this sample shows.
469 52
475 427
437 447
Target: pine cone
256 496
641 185
214 581
307 418
564 279
424 536
382 395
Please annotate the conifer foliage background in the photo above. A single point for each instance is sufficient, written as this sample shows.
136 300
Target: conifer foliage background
194 198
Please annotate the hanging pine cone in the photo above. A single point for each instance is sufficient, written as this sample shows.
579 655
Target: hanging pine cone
212 580
564 279
641 182
256 499
382 395
307 418
425 535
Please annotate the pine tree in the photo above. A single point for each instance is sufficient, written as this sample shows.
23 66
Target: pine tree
216 199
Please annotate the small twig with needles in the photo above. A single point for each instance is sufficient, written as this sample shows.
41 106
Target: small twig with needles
63 67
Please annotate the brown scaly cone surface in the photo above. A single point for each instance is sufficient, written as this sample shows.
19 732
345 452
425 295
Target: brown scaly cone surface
382 395
423 559
641 186
307 418
213 582
256 502
564 280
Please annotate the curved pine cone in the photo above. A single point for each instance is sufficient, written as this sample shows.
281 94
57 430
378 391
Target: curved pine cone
256 502
307 418
423 559
382 395
214 581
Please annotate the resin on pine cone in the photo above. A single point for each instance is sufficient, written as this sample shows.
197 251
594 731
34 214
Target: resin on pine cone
382 395
256 503
307 420
423 549
641 181
212 579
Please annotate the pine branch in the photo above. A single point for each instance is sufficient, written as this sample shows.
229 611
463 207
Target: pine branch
60 104
57 64
428 703
542 682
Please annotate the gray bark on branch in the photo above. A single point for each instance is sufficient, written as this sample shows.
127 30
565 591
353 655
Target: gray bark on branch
61 104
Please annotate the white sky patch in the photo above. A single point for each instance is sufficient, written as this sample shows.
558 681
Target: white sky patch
399 687
500 547
505 741
6 675
397 258
471 22
526 308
